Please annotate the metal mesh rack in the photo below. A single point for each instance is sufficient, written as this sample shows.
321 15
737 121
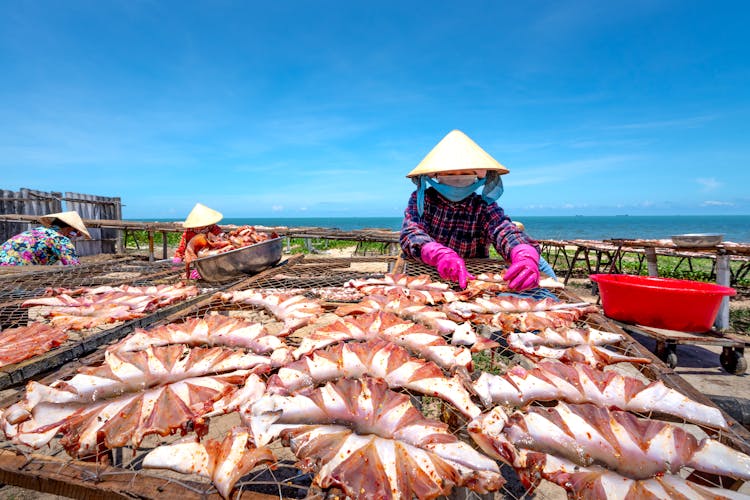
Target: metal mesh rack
18 286
119 470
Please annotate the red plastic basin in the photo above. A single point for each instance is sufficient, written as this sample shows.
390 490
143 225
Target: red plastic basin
672 304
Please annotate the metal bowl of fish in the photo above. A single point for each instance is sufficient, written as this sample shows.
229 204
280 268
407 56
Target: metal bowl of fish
246 260
697 240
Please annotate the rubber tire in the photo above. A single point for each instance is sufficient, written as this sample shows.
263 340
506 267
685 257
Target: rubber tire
671 359
733 362
667 353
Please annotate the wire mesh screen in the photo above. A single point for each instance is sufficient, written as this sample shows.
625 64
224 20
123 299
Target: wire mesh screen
16 312
325 272
17 284
17 287
316 278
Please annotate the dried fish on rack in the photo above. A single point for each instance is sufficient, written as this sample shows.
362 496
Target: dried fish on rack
295 311
417 289
375 358
210 330
584 353
599 483
88 428
224 462
416 338
568 337
588 435
359 434
103 305
124 371
461 334
18 344
580 383
525 322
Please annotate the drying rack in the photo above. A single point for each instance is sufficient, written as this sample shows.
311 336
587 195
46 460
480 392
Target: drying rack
117 473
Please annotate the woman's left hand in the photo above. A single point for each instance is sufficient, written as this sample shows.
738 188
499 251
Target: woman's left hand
523 272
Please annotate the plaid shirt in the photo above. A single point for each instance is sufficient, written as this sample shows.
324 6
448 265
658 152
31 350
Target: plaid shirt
468 226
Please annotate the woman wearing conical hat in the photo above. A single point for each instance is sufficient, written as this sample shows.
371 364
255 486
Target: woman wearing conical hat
200 220
446 221
50 243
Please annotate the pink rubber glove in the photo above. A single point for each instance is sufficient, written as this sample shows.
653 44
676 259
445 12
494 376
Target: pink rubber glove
176 260
449 265
523 272
195 275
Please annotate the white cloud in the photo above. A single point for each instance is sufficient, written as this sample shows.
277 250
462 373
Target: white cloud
688 122
713 203
708 183
277 208
558 172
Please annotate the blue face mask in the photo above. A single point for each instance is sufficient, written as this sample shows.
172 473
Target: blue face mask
493 189
455 193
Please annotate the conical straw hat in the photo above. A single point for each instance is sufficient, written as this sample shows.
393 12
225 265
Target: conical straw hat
201 216
70 218
456 152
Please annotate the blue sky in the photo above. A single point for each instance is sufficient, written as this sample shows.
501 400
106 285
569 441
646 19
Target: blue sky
320 108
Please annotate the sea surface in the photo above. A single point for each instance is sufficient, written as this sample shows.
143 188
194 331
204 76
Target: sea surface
734 227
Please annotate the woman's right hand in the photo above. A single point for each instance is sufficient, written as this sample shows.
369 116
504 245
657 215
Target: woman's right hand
449 264
176 260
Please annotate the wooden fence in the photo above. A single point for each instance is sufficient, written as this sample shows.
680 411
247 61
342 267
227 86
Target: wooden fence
37 203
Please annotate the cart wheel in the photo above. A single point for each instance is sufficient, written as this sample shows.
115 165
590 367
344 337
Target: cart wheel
733 360
671 359
667 352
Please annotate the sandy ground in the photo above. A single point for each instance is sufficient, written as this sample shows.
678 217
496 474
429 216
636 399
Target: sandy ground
697 364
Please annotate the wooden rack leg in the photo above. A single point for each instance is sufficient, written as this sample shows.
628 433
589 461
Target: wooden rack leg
653 267
572 265
722 278
150 246
164 244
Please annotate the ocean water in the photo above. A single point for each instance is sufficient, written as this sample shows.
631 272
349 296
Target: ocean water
734 227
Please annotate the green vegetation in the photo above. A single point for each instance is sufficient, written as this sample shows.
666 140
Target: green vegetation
139 239
740 320
669 267
318 245
489 361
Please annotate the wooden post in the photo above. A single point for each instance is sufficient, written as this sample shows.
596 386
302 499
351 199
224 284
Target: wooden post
653 268
572 265
117 215
150 245
723 277
164 244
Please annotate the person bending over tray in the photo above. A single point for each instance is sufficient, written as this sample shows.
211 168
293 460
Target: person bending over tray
200 220
52 243
446 222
